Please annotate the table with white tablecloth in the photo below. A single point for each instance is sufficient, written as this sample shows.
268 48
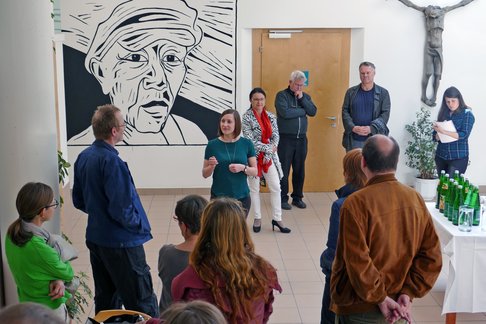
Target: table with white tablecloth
466 280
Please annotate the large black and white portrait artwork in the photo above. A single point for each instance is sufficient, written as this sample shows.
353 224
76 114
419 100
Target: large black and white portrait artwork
169 65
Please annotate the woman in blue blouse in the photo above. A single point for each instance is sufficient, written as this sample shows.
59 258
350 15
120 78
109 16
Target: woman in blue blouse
230 158
453 155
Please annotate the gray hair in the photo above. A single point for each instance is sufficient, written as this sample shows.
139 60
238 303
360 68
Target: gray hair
297 75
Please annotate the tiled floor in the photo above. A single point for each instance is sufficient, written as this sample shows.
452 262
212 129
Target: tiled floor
295 255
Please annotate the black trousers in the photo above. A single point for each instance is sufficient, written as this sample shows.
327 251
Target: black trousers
292 152
122 277
451 165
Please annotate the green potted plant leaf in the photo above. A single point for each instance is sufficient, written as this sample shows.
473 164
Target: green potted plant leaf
420 153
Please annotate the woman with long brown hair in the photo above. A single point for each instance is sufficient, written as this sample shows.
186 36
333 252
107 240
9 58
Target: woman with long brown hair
225 270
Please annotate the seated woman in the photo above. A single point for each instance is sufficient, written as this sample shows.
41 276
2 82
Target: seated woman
224 269
173 259
193 312
355 179
36 266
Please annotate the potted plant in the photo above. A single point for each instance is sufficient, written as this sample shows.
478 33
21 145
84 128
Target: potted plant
420 153
77 305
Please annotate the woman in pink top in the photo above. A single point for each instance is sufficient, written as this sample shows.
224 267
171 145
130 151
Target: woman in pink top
224 269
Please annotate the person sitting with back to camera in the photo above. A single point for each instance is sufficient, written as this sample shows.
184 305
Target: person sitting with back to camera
224 269
173 259
193 312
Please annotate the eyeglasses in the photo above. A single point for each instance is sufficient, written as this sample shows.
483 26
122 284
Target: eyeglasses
175 218
122 125
55 204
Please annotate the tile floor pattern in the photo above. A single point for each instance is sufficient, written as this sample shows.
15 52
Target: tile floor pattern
295 255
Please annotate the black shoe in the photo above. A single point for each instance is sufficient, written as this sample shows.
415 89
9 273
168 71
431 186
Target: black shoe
299 204
286 206
281 228
257 229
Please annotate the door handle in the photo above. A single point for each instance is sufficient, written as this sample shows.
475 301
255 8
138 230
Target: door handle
331 117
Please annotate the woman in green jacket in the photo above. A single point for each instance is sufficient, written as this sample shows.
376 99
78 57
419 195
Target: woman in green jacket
37 267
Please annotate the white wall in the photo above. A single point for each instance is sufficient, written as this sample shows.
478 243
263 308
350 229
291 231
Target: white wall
392 36
28 134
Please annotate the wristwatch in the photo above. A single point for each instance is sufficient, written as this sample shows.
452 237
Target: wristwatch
244 170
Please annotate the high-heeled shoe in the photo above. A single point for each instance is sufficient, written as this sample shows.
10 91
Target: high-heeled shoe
281 228
256 228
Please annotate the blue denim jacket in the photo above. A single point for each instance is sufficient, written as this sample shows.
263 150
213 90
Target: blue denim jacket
104 189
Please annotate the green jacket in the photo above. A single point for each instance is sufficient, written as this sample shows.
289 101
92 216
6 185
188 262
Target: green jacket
33 267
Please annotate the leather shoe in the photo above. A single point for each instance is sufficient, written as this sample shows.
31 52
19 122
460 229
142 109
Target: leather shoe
299 204
257 226
286 206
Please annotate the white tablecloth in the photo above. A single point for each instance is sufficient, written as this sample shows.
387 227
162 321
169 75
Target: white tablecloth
466 282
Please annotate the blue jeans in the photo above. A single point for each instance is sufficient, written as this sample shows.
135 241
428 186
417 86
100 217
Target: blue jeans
327 316
122 277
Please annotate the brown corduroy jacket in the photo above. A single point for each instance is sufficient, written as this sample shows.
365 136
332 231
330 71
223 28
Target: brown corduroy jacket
387 246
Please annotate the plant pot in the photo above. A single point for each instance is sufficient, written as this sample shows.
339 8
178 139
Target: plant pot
426 187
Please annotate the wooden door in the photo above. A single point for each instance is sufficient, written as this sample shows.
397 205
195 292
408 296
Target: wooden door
324 54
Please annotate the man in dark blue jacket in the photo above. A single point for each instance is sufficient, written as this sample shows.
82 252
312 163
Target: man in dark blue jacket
293 106
117 224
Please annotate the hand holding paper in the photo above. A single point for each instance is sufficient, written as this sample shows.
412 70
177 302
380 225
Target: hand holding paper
447 125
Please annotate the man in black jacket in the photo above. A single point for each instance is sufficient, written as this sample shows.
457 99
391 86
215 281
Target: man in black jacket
293 106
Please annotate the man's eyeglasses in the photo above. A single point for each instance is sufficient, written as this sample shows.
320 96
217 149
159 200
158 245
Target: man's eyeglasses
122 125
55 204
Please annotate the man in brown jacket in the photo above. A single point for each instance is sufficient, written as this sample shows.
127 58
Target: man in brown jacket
388 251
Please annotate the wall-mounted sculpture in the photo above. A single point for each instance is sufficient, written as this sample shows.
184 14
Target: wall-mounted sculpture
433 63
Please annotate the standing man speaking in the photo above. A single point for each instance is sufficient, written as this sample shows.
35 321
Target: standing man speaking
117 224
293 106
366 109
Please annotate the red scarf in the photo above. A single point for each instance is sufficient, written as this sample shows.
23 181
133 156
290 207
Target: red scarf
266 128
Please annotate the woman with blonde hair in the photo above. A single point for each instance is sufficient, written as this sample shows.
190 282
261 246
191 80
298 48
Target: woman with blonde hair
224 269
355 179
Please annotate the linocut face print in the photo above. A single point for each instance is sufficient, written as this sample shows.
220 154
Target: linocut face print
169 65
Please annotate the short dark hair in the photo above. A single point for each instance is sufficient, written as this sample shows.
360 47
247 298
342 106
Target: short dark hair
235 114
379 158
368 64
257 90
189 210
103 121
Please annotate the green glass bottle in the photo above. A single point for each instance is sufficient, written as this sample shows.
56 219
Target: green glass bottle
450 200
457 176
476 204
444 192
439 189
458 202
448 197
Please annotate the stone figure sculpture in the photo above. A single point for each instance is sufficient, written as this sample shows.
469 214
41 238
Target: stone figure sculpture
434 22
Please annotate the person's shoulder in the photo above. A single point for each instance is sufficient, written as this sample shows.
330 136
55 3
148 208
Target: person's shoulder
379 88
